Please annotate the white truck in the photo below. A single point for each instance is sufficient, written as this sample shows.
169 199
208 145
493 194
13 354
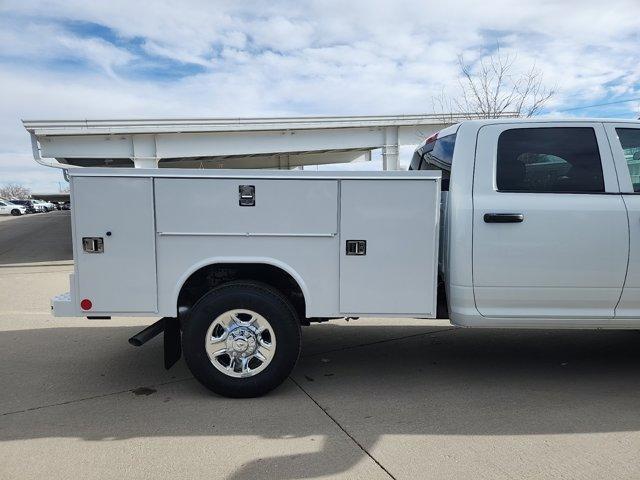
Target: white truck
499 223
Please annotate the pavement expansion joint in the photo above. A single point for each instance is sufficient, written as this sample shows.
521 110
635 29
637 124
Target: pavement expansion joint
351 437
93 397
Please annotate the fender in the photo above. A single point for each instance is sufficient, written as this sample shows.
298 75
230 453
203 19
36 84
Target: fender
258 260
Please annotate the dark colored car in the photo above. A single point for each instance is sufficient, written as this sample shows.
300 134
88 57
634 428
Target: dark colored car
28 204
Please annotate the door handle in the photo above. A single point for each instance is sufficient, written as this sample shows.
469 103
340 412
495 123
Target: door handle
503 218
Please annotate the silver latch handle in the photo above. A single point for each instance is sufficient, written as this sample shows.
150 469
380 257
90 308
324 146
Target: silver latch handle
93 244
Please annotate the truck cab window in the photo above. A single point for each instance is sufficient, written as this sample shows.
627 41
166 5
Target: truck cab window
549 160
630 141
436 155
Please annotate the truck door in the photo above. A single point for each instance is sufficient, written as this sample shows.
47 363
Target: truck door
550 234
624 139
117 272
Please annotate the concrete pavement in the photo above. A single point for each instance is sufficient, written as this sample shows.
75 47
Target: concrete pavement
373 398
42 237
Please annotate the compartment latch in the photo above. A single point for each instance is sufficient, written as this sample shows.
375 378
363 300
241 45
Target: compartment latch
356 247
93 244
247 195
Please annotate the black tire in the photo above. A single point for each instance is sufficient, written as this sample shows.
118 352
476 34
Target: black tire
15 212
262 299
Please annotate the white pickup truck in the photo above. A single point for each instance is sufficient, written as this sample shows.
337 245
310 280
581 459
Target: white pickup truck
500 223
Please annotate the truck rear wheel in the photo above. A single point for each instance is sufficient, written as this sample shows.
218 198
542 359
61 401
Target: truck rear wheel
242 339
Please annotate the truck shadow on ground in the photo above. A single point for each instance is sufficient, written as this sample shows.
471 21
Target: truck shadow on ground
374 381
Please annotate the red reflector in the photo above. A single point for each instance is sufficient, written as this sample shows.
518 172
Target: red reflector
86 304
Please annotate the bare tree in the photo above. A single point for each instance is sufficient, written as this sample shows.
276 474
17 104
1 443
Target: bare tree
13 190
491 88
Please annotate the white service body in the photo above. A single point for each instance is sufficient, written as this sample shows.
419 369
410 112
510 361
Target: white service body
158 227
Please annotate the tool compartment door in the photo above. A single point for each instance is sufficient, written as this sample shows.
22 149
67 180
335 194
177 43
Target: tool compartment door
397 273
123 277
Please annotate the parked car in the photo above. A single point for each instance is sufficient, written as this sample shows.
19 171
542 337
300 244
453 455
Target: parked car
66 206
8 208
42 206
38 206
27 204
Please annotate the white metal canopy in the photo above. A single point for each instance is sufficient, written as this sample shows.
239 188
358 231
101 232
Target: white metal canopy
229 142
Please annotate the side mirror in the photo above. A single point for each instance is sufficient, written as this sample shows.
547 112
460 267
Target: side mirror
636 156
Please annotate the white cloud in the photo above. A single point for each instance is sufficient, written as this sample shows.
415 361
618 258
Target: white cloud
279 33
39 43
290 57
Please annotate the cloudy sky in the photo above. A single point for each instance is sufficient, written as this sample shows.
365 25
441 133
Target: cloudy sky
107 59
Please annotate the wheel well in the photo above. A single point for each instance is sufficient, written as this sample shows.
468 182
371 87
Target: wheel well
203 280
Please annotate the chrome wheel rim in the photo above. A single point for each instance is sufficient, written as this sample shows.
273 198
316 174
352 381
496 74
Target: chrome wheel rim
240 343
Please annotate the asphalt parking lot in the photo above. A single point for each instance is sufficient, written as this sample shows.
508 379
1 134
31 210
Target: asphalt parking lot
374 398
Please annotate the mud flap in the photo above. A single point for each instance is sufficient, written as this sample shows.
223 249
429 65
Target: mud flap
172 342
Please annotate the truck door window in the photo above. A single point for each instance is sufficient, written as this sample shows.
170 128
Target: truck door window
549 160
630 141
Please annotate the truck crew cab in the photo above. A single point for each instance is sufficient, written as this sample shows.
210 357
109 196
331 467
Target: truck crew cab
524 223
541 222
